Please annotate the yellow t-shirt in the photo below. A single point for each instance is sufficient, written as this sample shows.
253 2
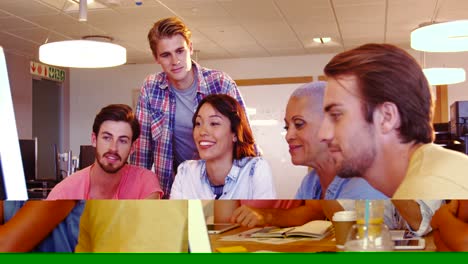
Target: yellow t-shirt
134 226
435 173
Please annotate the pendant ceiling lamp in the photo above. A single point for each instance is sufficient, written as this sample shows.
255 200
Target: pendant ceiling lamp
441 37
84 53
89 52
441 76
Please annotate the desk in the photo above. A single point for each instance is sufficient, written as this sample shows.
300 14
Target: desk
39 189
325 245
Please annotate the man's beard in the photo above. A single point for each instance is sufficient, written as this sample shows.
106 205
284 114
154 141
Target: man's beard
109 168
358 165
360 160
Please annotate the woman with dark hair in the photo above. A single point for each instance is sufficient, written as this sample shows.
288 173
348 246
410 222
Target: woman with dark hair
229 167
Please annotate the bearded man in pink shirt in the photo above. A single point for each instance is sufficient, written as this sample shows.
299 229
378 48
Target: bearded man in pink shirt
115 129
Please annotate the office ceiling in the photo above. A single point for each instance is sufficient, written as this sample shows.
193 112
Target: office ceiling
225 29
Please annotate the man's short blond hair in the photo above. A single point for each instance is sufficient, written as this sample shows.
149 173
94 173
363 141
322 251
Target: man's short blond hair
166 28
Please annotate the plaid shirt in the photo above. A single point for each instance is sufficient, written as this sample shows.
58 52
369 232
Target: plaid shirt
156 113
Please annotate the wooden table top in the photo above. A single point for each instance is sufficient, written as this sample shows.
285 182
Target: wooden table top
325 245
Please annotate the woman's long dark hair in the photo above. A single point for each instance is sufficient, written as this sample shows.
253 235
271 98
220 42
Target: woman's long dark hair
230 108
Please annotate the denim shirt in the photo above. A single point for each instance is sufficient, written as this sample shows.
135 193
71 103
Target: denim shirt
340 188
249 178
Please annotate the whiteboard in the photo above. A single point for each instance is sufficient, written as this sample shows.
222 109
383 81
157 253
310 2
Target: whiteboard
270 101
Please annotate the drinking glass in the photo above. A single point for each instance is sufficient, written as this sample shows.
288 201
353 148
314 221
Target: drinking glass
370 237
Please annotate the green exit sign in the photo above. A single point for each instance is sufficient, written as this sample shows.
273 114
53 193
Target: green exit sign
47 71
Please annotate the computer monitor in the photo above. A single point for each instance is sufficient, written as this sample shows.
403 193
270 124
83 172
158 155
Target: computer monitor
12 168
28 149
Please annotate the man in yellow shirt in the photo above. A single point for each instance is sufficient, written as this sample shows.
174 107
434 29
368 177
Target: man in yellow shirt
134 226
378 125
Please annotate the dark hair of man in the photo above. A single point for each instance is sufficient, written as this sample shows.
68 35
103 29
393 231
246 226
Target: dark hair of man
386 73
167 28
117 112
230 108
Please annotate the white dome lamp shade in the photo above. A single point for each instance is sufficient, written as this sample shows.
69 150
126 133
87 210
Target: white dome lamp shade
449 36
89 52
441 76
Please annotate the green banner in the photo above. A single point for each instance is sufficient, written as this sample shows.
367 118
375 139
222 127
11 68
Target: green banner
329 257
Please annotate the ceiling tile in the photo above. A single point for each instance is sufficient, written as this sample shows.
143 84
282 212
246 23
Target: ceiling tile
274 35
11 22
27 7
361 21
406 15
452 10
226 28
250 12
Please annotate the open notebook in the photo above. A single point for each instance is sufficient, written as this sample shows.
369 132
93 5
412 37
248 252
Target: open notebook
314 229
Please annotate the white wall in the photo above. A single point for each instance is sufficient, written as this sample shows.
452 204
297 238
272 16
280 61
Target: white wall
270 103
93 89
21 82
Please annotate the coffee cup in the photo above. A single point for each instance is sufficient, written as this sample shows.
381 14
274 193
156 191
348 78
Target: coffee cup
342 222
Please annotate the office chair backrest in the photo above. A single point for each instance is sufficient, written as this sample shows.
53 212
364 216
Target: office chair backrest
87 156
28 148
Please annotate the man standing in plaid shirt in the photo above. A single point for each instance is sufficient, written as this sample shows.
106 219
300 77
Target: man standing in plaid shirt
168 100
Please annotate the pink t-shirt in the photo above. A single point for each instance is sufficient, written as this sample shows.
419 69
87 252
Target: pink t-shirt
272 204
136 183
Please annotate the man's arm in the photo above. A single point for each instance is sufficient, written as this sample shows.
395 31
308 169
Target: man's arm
32 224
410 211
462 210
330 207
417 213
450 232
142 154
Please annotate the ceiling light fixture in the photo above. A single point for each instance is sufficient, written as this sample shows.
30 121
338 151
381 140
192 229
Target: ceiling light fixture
441 37
322 40
84 53
441 76
93 51
83 13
